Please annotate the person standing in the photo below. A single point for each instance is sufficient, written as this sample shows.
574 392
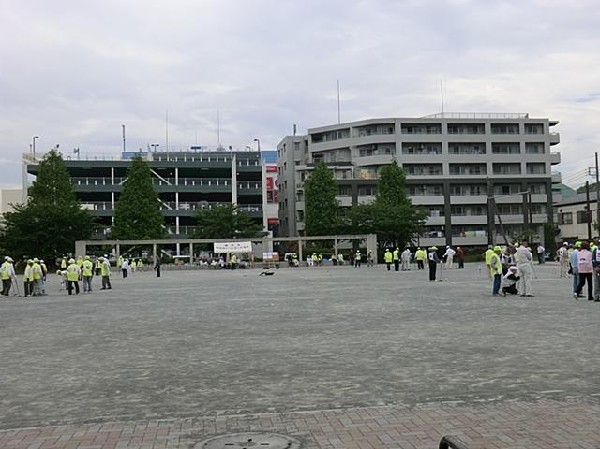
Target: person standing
432 260
124 267
28 279
525 266
370 260
388 258
573 264
488 255
585 267
449 256
420 256
105 273
563 258
396 258
540 253
7 273
357 258
460 256
496 268
73 274
405 257
87 273
157 267
596 273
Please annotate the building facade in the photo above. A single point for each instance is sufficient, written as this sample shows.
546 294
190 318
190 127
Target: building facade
478 176
186 181
577 217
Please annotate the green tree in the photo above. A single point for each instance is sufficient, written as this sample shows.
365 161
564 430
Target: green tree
395 219
226 221
137 212
51 220
322 211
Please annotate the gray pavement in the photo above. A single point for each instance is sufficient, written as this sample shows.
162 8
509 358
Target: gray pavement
197 343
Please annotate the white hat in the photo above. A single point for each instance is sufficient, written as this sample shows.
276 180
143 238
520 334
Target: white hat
71 260
8 259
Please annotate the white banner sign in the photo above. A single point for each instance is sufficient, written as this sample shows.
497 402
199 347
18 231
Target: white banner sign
233 247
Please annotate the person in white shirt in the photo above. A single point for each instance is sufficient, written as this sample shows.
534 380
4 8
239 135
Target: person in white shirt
449 257
540 253
525 266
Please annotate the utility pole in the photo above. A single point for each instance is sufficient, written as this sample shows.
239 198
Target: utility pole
597 198
124 146
588 212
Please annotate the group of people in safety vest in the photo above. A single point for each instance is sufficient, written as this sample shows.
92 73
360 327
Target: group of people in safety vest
71 273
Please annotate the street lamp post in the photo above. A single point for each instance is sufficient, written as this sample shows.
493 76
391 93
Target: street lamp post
258 143
33 145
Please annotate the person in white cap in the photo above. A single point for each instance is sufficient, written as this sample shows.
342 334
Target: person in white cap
73 275
449 257
563 258
432 260
7 273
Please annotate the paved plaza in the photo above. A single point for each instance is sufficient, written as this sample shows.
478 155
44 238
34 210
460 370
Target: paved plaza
335 357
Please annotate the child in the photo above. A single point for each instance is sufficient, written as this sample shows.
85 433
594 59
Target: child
509 281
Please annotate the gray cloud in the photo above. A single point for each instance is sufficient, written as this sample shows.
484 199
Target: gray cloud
73 72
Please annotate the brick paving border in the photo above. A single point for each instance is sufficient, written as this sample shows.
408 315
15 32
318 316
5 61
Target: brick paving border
515 425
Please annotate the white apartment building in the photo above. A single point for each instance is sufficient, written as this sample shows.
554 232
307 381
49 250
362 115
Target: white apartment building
477 175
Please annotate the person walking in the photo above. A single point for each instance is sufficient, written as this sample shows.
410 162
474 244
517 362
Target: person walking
574 268
87 274
525 267
496 267
124 267
388 258
73 274
585 267
7 273
460 256
432 260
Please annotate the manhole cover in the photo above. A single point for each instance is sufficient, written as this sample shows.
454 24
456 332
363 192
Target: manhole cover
249 440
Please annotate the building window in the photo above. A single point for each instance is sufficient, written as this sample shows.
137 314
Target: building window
535 148
565 218
584 216
536 168
506 148
534 128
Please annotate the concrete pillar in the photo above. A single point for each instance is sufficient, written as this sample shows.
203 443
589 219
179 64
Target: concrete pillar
154 253
117 250
300 256
191 252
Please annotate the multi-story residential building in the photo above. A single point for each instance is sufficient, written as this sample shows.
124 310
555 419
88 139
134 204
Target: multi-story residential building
455 164
185 181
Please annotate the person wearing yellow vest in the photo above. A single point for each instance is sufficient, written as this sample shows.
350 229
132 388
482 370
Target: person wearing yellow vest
28 279
87 273
388 258
63 263
7 273
105 273
37 277
233 261
496 270
98 266
73 274
396 259
488 255
140 265
420 256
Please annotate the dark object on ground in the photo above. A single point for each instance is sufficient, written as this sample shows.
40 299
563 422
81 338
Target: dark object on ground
451 442
267 273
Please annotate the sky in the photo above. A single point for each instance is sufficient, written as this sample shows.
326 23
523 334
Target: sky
73 72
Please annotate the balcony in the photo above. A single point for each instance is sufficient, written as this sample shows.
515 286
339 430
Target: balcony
556 177
555 158
249 188
554 138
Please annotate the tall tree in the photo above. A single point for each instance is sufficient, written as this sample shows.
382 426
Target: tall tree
396 220
51 220
226 221
137 212
322 210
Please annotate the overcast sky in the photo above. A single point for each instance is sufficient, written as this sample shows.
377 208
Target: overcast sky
74 71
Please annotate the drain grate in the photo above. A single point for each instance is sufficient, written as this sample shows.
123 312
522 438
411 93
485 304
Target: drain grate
249 440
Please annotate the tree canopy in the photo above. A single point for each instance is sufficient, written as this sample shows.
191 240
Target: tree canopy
322 211
137 211
51 220
226 221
